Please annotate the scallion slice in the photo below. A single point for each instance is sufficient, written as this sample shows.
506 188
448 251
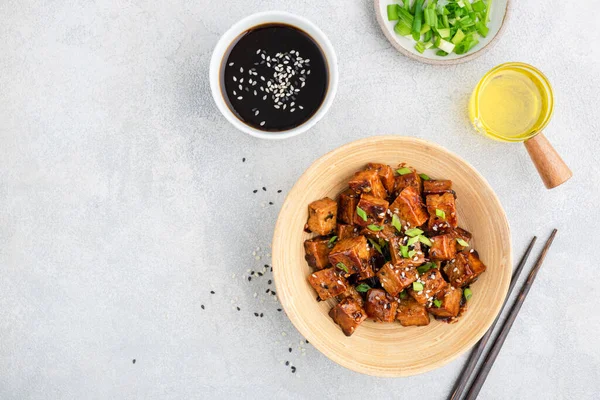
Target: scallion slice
396 223
404 251
437 303
342 266
424 177
392 12
376 246
462 242
363 287
425 240
413 232
374 228
361 213
417 286
404 171
440 213
468 293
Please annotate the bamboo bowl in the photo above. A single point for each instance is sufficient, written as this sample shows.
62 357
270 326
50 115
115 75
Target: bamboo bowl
389 349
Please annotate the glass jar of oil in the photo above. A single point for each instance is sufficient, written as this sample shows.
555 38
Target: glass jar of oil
513 102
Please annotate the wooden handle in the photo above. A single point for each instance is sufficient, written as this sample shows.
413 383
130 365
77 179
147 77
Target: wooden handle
550 166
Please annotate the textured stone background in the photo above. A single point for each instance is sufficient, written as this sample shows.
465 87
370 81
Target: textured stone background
124 201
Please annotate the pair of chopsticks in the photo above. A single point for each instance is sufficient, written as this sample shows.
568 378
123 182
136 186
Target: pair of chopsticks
467 371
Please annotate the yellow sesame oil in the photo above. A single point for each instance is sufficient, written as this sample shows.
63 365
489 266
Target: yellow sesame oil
512 102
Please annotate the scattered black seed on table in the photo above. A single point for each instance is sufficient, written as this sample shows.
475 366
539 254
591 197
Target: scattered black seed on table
261 315
255 190
287 363
202 306
264 188
273 292
249 278
293 369
244 159
269 282
134 360
279 191
290 349
266 265
212 292
279 309
238 308
271 203
307 341
256 314
268 290
260 274
251 272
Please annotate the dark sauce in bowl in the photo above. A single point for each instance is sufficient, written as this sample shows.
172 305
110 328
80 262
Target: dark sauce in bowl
274 77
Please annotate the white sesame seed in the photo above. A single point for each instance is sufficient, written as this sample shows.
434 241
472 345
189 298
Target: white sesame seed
241 70
262 123
265 97
231 64
256 112
300 107
239 97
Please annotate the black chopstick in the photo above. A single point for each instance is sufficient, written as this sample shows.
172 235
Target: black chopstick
465 374
512 315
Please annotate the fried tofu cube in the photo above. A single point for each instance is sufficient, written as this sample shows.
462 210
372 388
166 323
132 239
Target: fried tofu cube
387 233
446 206
386 175
410 208
317 251
437 187
412 179
450 303
395 279
352 252
411 313
366 273
443 247
347 202
433 282
376 259
415 258
380 306
464 269
368 182
460 233
348 314
352 293
374 208
344 231
328 283
322 216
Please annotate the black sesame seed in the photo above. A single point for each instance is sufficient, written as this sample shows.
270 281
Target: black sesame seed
290 349
266 266
244 159
202 306
271 203
287 363
256 314
264 188
269 282
238 308
260 274
251 272
293 369
306 341
261 315
268 290
212 292
249 278
255 190
134 360
273 292
279 191
271 269
279 309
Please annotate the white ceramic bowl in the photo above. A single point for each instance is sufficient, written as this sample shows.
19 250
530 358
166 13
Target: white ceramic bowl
499 13
264 18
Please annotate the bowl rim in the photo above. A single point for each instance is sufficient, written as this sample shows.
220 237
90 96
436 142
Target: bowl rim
308 334
459 60
259 18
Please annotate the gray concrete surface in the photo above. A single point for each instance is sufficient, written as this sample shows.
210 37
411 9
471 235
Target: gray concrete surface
124 201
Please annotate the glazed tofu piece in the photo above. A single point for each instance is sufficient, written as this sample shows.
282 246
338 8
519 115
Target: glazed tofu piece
366 273
387 233
411 313
353 294
410 208
368 182
395 279
437 187
348 314
460 233
380 306
411 179
352 252
386 175
443 247
322 216
433 282
317 251
446 205
450 303
375 209
415 258
344 231
464 269
347 202
328 283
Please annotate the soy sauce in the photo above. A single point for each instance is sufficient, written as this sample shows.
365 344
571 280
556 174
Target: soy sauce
274 77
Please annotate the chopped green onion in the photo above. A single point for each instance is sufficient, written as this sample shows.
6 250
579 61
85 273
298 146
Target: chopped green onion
392 12
412 241
404 251
418 16
406 5
425 241
363 287
482 29
420 47
374 228
342 266
411 253
427 38
458 37
426 267
446 46
404 171
437 303
478 6
444 32
424 177
361 213
396 223
462 242
331 242
413 232
425 28
405 21
376 246
468 293
441 53
417 286
440 213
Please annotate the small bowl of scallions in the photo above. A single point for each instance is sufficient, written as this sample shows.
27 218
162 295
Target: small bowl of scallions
442 31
